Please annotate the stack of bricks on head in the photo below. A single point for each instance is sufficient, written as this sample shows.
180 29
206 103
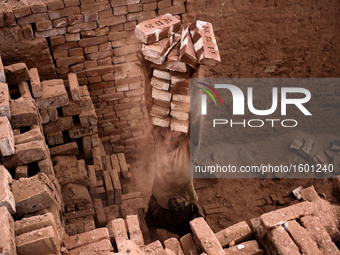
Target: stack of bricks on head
175 51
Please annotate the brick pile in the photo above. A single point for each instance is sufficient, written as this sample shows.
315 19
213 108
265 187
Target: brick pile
67 189
95 40
174 53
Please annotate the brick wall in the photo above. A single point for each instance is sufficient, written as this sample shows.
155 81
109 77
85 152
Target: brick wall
94 39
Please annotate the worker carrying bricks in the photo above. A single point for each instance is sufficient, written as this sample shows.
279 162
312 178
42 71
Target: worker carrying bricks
168 58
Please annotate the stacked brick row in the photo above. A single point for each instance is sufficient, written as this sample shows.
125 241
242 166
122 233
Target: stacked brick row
174 54
67 187
29 188
95 40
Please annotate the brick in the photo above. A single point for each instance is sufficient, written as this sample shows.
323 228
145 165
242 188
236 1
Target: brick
82 239
281 242
161 95
111 21
29 136
161 122
121 10
80 27
173 63
163 4
296 145
150 6
69 61
95 7
62 22
43 25
99 70
27 31
74 87
179 115
38 6
6 196
54 95
301 238
187 51
189 246
7 240
79 131
135 232
21 10
24 90
125 50
173 245
135 7
141 16
21 172
179 125
4 101
75 19
65 149
86 42
16 73
65 12
100 247
44 238
178 106
74 38
306 148
108 184
293 212
153 248
53 5
69 3
181 98
57 40
157 50
234 234
35 82
119 232
164 75
33 18
159 111
156 29
205 44
34 223
319 235
32 194
24 112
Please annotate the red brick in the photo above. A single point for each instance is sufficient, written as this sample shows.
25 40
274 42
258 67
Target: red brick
6 196
156 29
189 246
100 247
92 41
302 238
319 235
281 242
234 234
82 239
65 12
111 21
7 240
33 194
293 212
205 43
